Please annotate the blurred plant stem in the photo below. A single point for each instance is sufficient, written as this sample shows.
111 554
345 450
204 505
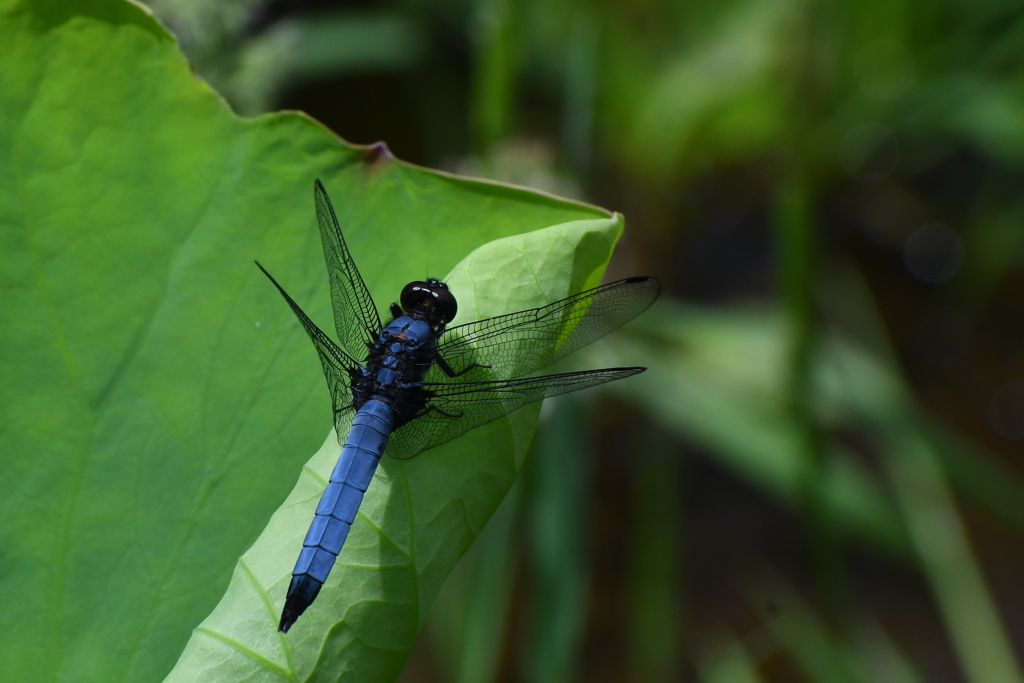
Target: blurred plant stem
938 535
656 576
560 485
487 611
856 652
496 49
795 231
581 83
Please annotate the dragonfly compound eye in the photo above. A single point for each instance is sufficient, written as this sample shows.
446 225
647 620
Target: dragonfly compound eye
435 294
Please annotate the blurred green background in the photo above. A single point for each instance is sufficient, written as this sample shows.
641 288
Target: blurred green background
819 478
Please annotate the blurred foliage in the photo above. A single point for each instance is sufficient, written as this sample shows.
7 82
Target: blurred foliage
836 415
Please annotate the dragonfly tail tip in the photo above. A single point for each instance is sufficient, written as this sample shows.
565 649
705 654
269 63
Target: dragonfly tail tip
301 593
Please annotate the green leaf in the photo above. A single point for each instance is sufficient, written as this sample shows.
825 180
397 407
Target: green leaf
158 398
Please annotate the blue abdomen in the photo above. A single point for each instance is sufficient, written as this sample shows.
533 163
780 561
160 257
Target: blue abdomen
360 455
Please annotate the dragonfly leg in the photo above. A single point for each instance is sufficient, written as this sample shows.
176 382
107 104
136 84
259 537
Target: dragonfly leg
452 372
435 409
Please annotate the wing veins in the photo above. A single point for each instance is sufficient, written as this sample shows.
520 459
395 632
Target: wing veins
336 364
356 318
456 408
520 343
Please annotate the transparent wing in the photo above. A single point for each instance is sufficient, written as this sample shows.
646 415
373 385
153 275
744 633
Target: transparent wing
519 343
457 407
355 316
338 366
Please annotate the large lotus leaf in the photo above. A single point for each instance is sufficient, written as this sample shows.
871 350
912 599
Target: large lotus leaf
157 398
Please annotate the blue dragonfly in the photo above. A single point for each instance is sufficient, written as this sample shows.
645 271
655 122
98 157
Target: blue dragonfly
415 383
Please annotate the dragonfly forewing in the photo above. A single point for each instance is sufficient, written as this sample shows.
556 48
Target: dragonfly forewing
356 318
521 343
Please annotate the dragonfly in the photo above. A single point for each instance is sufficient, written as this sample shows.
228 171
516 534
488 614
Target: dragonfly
416 383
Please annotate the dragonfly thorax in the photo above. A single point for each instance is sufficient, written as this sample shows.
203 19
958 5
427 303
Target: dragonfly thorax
395 367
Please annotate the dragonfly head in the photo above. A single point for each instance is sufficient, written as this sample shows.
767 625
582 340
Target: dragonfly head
436 303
